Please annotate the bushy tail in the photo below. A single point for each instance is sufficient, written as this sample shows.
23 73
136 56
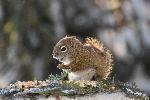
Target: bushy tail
95 43
99 45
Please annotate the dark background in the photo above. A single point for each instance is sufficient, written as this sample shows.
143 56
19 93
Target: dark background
30 28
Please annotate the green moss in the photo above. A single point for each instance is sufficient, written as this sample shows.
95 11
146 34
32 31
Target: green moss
62 76
104 86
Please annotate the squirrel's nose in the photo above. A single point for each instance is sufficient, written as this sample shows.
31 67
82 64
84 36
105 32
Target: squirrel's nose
54 56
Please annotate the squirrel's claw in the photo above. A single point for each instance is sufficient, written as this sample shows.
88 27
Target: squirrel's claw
59 66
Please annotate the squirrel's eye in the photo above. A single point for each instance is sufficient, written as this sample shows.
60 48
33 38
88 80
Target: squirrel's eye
63 48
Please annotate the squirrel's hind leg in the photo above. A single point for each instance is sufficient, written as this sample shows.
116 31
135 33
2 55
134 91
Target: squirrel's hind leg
102 73
62 66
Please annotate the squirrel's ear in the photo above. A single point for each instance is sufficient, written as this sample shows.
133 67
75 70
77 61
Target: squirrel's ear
69 36
73 37
66 36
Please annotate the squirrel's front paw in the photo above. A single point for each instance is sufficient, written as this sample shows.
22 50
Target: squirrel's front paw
61 66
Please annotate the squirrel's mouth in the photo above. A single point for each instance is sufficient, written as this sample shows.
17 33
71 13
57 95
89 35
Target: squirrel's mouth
65 60
60 59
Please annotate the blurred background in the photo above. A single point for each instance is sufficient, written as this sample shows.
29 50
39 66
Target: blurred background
30 28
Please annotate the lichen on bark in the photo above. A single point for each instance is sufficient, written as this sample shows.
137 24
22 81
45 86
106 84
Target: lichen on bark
57 86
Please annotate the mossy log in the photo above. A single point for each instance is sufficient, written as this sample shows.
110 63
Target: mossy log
59 89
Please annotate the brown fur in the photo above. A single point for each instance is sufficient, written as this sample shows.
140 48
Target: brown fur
91 54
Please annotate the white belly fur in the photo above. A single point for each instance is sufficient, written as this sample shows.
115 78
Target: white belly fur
86 74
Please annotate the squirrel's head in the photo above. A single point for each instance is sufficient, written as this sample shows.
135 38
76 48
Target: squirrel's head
65 48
